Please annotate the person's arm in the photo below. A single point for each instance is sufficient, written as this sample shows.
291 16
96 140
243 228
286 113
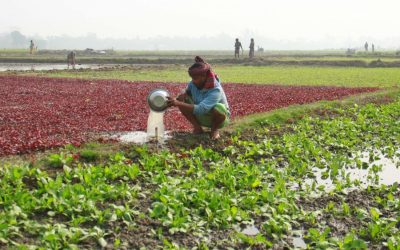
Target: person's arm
185 93
180 104
212 98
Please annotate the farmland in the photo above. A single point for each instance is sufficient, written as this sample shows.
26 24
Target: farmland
287 75
301 166
41 108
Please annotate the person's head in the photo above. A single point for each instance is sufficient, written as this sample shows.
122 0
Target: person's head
199 72
252 39
237 39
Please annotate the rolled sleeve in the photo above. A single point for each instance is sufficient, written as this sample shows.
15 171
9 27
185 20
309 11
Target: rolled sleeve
211 99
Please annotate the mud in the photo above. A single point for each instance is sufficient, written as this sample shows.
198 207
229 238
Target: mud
341 225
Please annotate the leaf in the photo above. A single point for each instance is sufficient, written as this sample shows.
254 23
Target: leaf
256 183
102 242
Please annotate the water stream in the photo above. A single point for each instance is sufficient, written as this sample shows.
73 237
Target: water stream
155 125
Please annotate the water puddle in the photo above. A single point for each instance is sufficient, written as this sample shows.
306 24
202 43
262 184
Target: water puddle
44 66
155 131
138 137
383 170
299 243
250 230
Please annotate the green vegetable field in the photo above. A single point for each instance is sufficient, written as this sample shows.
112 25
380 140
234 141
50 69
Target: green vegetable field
260 190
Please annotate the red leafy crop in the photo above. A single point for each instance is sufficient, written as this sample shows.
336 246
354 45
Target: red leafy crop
38 113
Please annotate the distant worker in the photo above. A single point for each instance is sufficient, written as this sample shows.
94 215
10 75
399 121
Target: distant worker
251 52
373 48
238 46
366 47
71 59
32 47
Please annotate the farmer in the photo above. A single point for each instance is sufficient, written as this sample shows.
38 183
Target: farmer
204 102
366 46
238 45
71 59
32 47
251 47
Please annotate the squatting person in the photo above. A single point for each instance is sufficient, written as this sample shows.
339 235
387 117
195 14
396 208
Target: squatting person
203 103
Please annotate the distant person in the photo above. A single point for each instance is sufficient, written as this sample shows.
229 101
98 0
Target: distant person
251 47
238 46
32 47
366 46
350 51
373 48
71 59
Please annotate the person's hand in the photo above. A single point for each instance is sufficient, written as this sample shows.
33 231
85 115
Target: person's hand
172 102
181 97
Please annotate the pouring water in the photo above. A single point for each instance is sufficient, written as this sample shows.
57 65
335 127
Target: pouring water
155 125
157 101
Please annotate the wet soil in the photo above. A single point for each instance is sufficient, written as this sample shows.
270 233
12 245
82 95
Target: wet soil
340 224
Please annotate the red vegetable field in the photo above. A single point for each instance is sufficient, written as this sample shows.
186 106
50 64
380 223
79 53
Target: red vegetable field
38 113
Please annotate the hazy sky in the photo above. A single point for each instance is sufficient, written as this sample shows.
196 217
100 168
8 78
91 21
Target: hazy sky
278 19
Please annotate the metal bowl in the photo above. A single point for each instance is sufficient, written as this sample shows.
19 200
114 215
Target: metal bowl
157 100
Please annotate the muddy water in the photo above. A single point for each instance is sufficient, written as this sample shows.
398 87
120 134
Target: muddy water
298 242
138 137
250 230
388 173
44 66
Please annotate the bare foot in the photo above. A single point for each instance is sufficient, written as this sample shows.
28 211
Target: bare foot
215 135
198 130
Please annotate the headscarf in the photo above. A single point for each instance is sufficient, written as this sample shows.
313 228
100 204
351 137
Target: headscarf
200 67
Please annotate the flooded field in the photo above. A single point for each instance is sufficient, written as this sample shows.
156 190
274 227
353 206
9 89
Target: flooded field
376 169
46 66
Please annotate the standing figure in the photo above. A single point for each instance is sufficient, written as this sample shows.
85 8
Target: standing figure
31 47
366 47
238 46
251 52
71 59
373 48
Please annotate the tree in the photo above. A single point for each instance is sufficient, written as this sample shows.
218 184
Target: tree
19 40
